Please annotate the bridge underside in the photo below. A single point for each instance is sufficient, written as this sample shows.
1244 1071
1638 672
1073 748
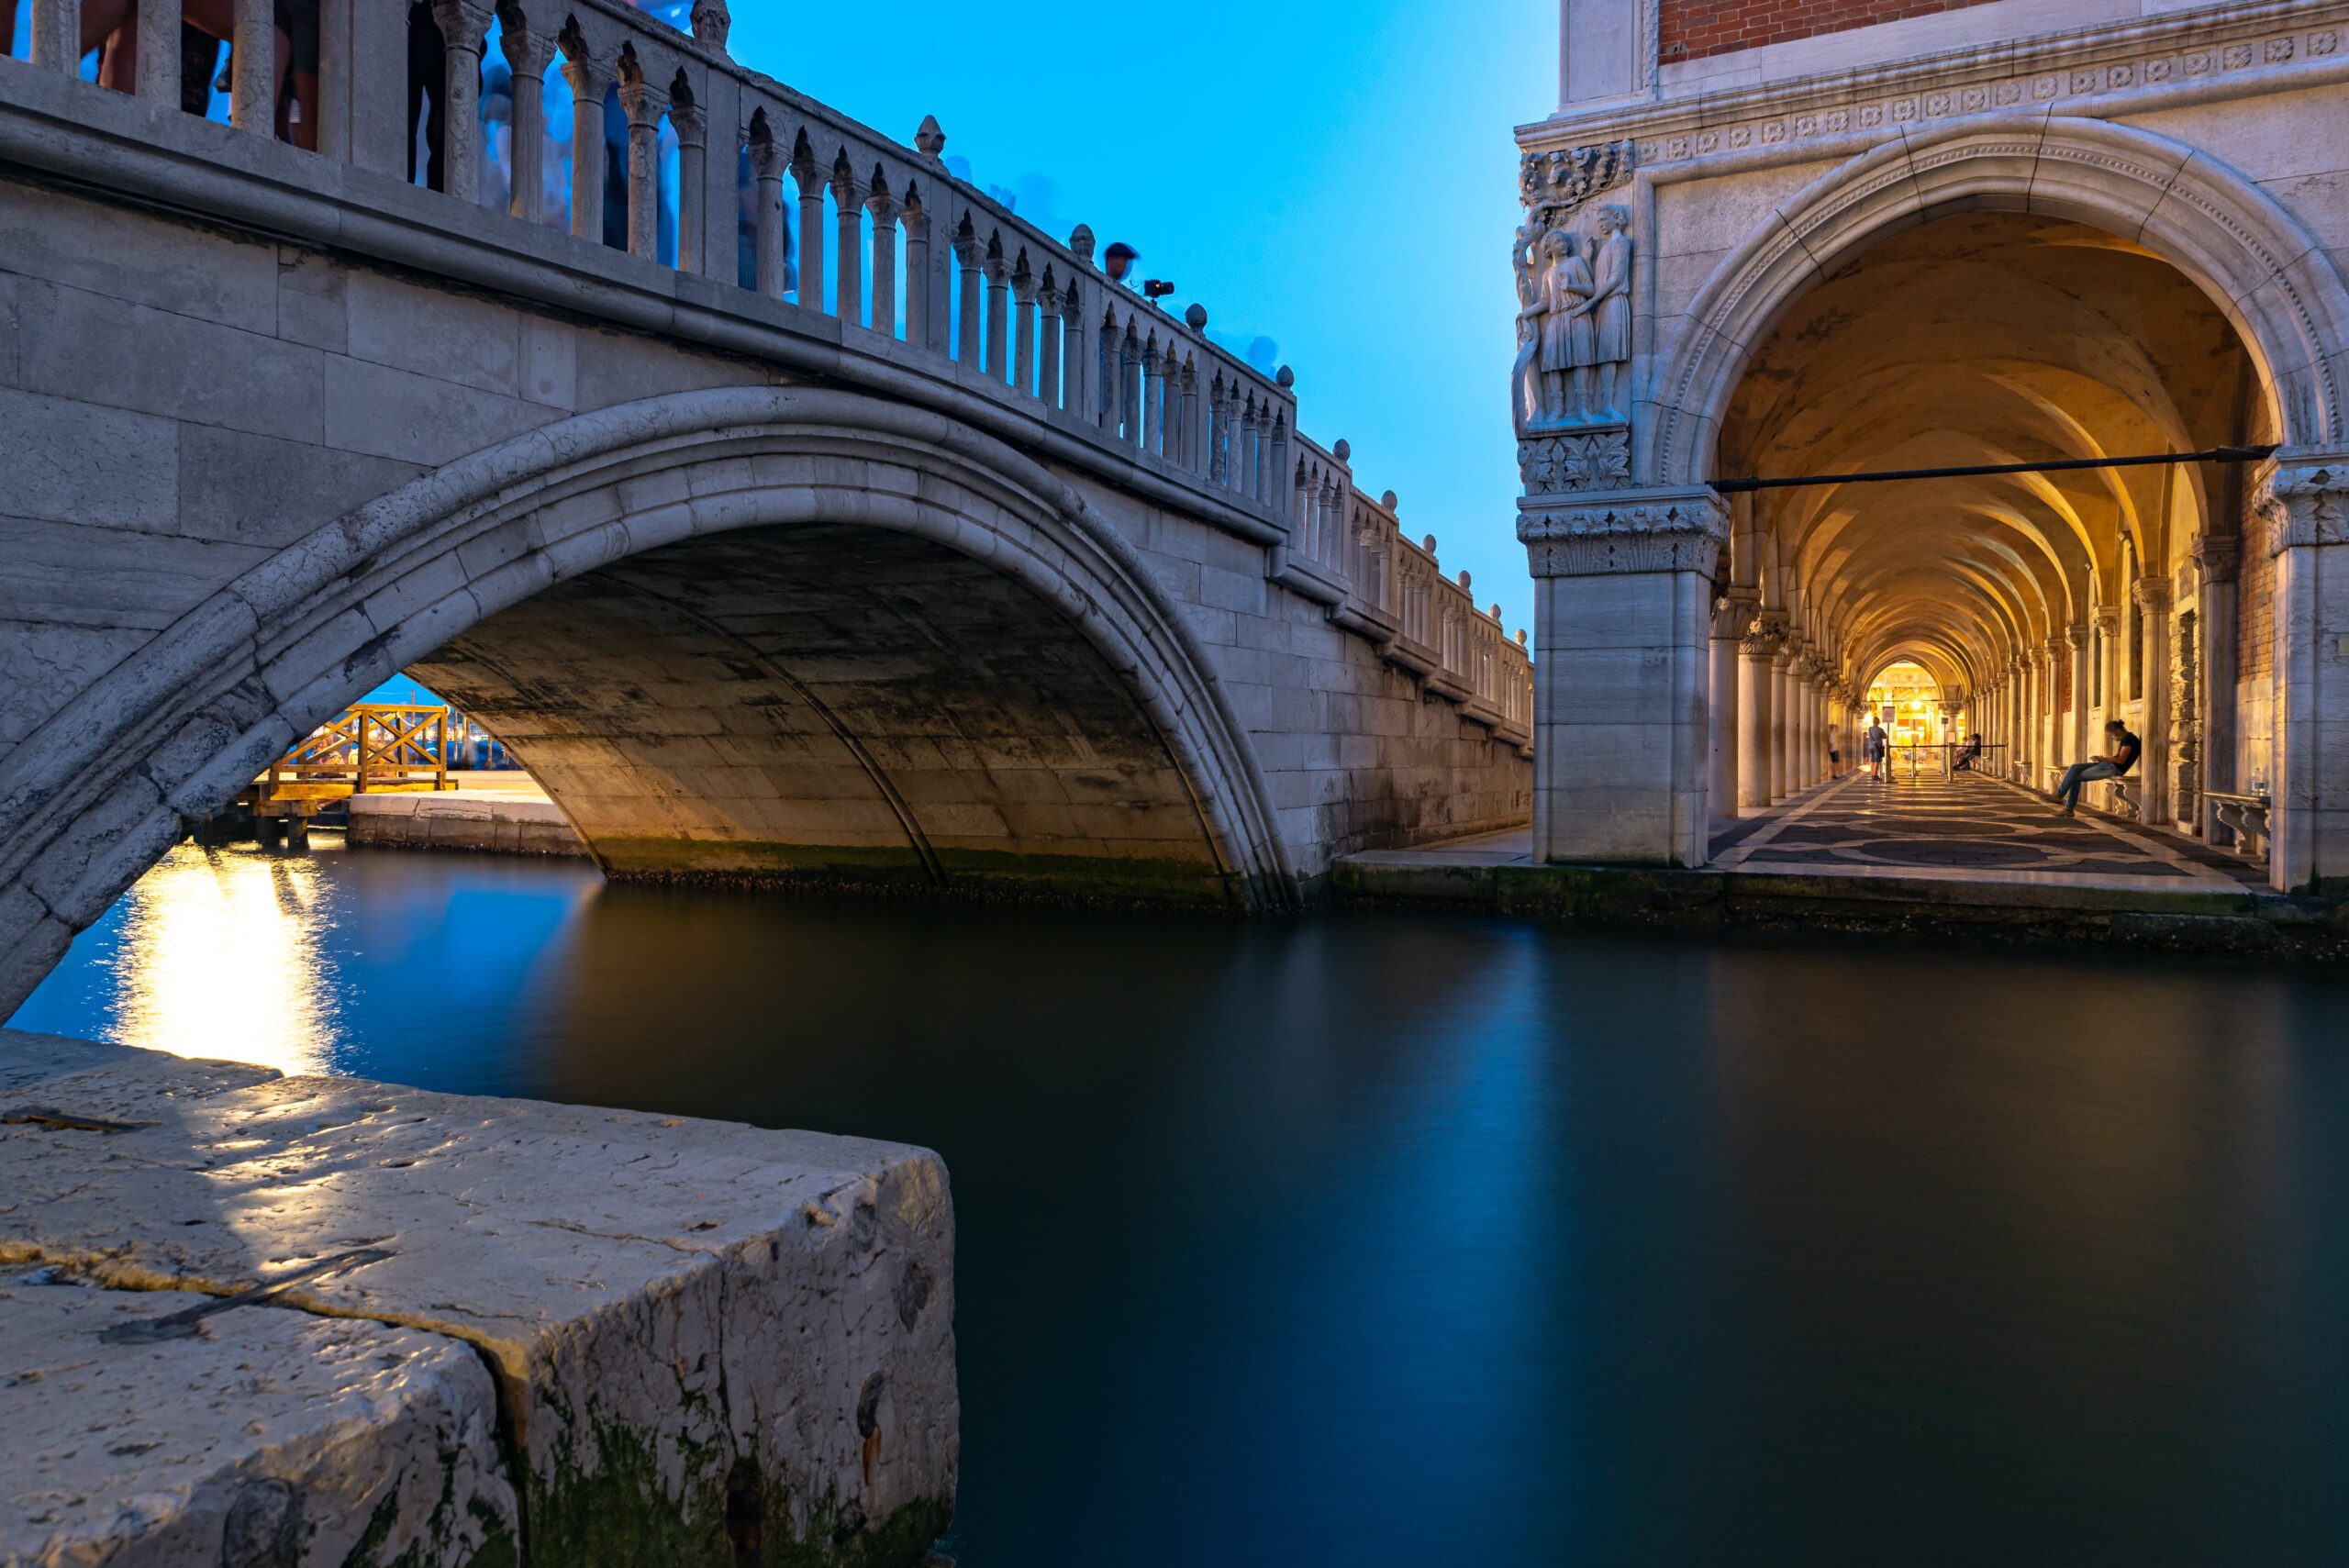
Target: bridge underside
835 703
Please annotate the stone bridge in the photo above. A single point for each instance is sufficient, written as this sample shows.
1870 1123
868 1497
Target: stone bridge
935 558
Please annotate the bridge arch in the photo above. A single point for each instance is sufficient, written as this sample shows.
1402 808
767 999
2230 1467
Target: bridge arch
605 514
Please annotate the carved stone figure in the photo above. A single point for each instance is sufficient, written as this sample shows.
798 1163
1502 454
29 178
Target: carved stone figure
1610 307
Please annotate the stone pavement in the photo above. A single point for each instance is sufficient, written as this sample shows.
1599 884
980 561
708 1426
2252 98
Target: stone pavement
1969 829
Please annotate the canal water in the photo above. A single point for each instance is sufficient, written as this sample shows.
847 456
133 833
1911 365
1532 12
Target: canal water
1381 1238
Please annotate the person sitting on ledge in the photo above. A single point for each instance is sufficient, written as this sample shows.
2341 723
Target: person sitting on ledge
2125 747
1967 755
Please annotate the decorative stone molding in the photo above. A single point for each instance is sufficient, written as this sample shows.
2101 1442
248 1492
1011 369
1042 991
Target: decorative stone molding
712 24
2302 503
1595 460
2217 557
1734 613
1631 530
1553 186
2071 75
2076 635
2107 621
2151 593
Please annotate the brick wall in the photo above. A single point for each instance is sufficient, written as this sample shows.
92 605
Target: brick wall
1691 29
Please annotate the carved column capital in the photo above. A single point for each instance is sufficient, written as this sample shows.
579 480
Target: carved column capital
689 124
2059 647
643 102
2108 619
1624 530
2217 557
1733 612
2151 593
462 23
2076 635
528 52
2302 503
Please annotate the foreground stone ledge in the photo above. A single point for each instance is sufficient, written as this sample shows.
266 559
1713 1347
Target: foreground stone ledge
710 1343
270 1438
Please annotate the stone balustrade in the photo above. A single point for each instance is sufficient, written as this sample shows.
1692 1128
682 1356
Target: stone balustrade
880 238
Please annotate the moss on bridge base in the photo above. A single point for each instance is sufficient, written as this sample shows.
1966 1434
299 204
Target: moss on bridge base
974 875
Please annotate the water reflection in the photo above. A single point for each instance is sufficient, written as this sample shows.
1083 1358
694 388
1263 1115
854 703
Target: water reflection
1388 1240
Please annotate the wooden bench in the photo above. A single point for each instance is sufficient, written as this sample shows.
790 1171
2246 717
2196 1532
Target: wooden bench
2247 815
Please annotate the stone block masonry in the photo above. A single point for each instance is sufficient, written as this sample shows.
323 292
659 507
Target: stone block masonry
555 1336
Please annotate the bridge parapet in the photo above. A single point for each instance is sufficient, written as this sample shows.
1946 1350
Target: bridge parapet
885 264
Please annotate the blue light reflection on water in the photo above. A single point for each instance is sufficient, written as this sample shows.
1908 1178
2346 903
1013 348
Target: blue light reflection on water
1375 1238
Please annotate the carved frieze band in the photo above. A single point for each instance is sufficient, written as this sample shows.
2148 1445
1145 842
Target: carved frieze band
1654 530
1599 459
2304 504
2202 60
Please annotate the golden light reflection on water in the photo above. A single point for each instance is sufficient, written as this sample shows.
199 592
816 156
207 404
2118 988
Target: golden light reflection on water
220 959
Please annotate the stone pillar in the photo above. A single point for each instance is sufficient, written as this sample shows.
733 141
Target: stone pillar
253 91
1733 615
2152 605
528 54
363 102
57 35
2081 637
1755 651
774 233
2216 559
644 104
590 78
848 236
808 175
881 208
693 188
2027 718
2053 722
1623 590
2304 507
155 66
1781 716
2107 656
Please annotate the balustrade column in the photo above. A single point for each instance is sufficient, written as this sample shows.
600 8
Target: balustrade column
693 187
966 284
1279 463
883 208
1023 348
1129 384
999 339
155 65
1048 358
774 236
1153 393
528 55
1189 425
252 88
848 210
1076 349
923 296
57 36
590 78
810 178
644 104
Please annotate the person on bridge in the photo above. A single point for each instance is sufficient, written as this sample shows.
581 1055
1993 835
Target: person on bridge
1879 747
2123 757
1967 754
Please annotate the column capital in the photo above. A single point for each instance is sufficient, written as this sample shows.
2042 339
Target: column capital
528 52
2058 647
2077 634
589 75
462 23
643 102
766 160
2302 503
689 124
2108 619
1679 529
2217 556
2151 593
1733 612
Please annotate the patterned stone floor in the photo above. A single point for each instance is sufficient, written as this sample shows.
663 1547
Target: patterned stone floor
1966 829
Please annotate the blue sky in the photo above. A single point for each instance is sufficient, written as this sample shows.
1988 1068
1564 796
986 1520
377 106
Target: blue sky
1339 178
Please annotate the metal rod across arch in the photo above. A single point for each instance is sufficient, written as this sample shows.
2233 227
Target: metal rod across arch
2215 454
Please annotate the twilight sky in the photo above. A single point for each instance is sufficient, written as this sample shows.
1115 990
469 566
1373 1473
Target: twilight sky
1337 177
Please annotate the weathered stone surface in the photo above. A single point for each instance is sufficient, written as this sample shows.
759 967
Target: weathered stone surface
265 1439
701 1333
459 820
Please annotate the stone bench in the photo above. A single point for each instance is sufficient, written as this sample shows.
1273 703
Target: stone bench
2125 798
2247 815
626 1337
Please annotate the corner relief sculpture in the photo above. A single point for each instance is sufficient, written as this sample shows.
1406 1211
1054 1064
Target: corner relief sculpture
1569 385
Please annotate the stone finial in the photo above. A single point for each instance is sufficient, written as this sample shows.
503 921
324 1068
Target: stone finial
1285 377
1463 577
1195 318
1520 637
1343 451
1080 239
1389 500
929 137
1497 614
712 23
1428 544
